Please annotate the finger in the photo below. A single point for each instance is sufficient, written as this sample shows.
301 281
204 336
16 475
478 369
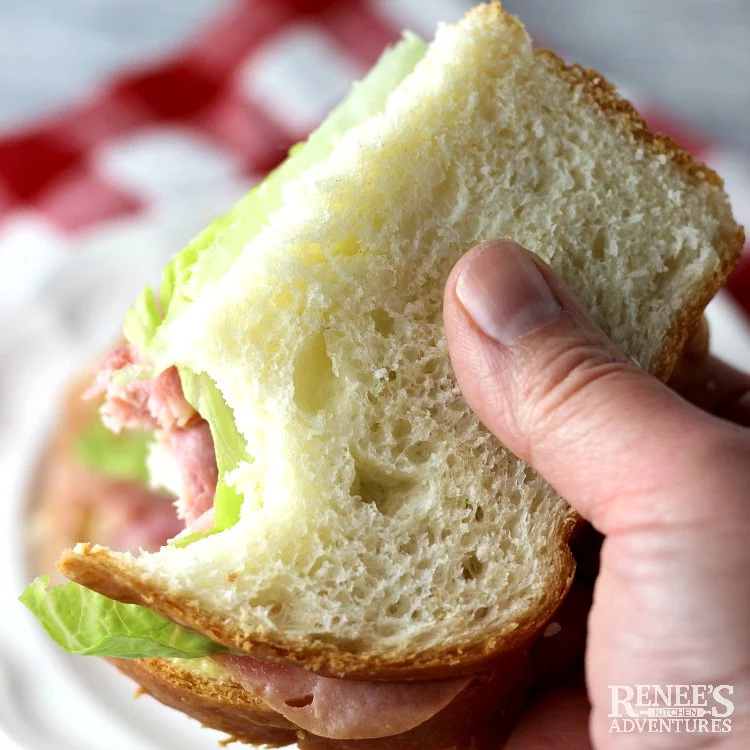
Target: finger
715 387
558 721
551 386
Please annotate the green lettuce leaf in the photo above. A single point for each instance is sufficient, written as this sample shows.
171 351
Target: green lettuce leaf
121 457
214 251
205 397
86 623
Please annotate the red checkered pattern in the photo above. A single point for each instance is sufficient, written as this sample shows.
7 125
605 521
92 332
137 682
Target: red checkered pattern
226 89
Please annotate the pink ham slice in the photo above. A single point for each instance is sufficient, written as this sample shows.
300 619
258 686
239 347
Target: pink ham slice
160 405
341 709
140 404
204 522
138 518
167 402
193 450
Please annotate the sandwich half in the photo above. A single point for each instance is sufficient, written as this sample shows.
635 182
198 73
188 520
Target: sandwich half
364 564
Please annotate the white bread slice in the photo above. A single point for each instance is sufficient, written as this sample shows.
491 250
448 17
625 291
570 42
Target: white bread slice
385 532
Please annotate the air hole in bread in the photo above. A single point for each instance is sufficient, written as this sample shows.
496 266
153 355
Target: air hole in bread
580 182
471 567
537 501
481 613
419 453
399 608
511 524
316 566
314 379
664 277
599 245
380 486
401 429
410 353
479 513
384 324
409 547
301 701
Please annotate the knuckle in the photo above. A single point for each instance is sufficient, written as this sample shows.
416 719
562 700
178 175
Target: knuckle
566 380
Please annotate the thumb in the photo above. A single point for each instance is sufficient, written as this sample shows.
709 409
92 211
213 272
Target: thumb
551 386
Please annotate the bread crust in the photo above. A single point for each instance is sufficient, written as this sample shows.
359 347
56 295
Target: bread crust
117 578
477 719
624 116
223 706
97 568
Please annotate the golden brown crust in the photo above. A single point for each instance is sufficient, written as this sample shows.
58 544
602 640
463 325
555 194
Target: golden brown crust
98 569
627 119
731 238
223 706
475 720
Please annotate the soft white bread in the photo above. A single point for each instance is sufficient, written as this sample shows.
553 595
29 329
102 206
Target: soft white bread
384 531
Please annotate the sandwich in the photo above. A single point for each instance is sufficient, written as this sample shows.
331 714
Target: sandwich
363 565
94 484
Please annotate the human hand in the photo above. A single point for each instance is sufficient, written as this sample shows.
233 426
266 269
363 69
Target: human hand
667 484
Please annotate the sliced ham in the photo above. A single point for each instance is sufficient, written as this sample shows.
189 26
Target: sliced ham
125 406
145 520
159 404
167 404
341 709
193 450
118 359
203 522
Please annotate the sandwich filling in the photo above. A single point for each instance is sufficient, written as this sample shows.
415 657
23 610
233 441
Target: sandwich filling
340 497
341 709
333 708
198 442
159 404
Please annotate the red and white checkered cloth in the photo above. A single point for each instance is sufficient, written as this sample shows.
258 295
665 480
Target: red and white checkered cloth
228 106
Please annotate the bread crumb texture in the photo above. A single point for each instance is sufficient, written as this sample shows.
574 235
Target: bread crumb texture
380 518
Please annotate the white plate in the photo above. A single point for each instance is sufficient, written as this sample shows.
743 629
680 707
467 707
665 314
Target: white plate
48 699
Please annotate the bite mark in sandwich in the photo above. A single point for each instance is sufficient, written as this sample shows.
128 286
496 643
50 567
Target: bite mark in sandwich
366 527
159 404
